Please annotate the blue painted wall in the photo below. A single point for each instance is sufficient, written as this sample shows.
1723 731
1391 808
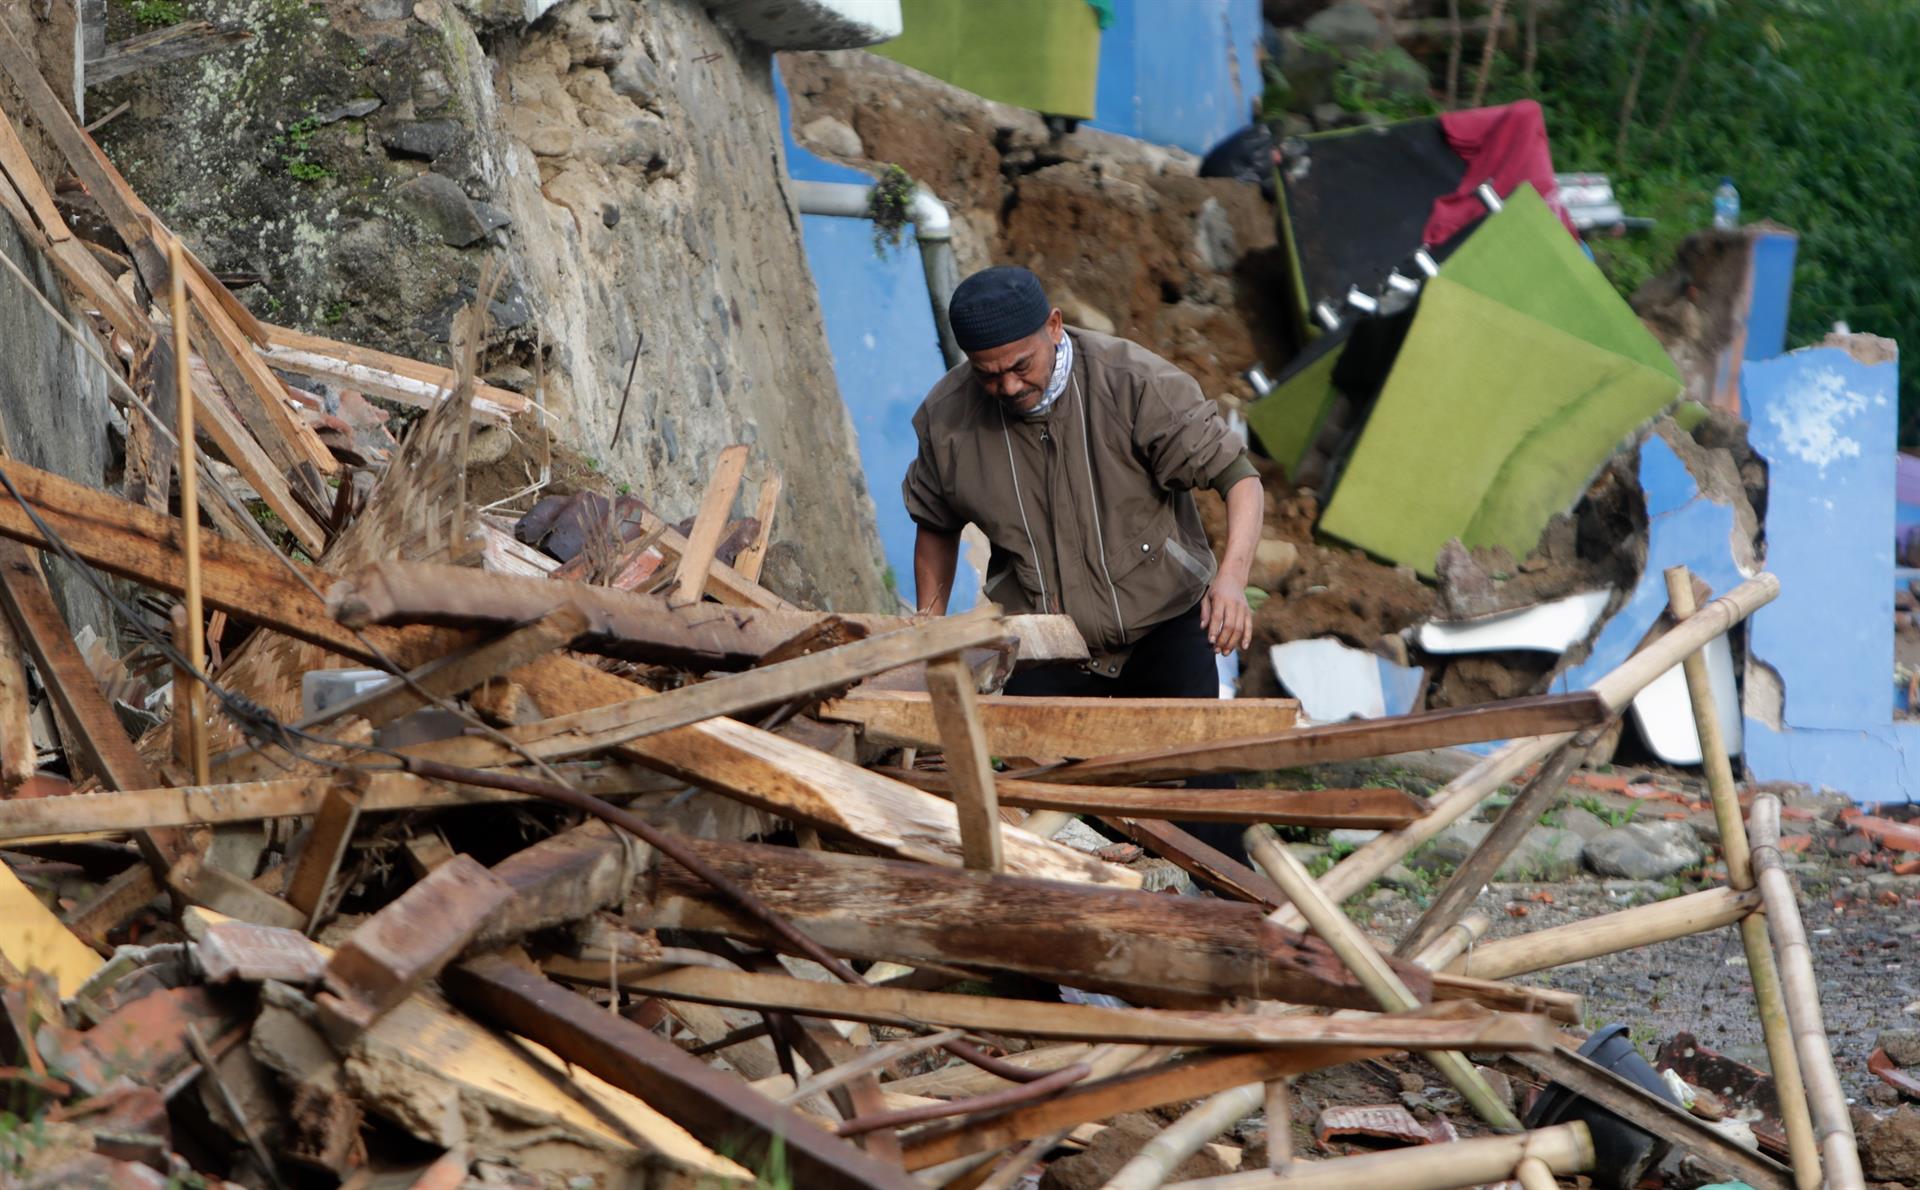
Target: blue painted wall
1179 72
886 353
1825 424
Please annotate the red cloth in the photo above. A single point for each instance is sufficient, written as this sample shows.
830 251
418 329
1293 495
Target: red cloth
1507 145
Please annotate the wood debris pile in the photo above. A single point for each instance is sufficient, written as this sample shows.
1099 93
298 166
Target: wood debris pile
661 880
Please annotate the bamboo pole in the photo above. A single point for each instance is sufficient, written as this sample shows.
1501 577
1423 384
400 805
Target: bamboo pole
1533 1174
1160 1156
1803 1149
1472 787
1609 933
1563 1149
1827 1103
193 705
1369 966
1474 873
1279 1124
1459 939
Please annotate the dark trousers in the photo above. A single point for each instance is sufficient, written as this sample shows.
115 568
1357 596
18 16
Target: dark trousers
1173 660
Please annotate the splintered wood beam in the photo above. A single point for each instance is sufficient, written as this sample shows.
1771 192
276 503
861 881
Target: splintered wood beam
599 728
255 391
751 559
714 1106
101 744
459 671
562 879
230 435
286 797
237 577
1371 809
379 374
1194 1077
950 681
724 583
1065 726
84 158
406 943
16 712
326 843
690 577
621 623
1356 740
791 780
1129 943
1450 1027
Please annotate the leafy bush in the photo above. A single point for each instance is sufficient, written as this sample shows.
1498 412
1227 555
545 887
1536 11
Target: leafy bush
1809 105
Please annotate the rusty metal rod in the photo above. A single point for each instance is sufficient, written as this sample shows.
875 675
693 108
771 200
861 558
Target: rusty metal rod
1039 1088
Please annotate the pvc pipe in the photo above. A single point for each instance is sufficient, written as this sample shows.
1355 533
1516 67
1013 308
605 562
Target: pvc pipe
932 229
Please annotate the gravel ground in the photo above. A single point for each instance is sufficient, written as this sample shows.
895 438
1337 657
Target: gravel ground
1866 954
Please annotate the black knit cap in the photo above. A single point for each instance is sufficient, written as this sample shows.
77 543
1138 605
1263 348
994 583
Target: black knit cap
996 306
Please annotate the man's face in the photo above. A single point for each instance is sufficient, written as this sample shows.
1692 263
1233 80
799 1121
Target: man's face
1016 373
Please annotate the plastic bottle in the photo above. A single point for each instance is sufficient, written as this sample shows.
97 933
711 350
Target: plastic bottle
1726 206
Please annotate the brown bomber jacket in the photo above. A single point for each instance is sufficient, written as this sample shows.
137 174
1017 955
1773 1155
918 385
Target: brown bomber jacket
1090 510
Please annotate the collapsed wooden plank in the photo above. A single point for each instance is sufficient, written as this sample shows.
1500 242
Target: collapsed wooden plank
950 681
391 954
562 879
1187 1078
1356 740
713 1106
457 672
690 576
620 623
792 780
17 759
84 158
1126 942
599 728
1374 809
286 797
1454 1027
247 582
1064 726
376 373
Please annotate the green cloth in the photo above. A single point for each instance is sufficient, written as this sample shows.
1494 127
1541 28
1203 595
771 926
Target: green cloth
1522 373
1103 12
1287 420
1043 55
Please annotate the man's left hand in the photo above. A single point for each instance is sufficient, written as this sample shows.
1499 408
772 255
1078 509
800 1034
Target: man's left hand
1227 619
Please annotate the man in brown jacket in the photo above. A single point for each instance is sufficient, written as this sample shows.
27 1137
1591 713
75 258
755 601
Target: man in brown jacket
1077 454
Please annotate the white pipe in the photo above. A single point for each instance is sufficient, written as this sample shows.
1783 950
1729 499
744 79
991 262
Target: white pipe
932 228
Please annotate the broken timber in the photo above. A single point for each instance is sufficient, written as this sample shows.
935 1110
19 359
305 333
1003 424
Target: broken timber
237 577
1451 1027
790 779
620 623
1357 740
1065 726
174 43
1172 948
1375 809
713 1106
598 728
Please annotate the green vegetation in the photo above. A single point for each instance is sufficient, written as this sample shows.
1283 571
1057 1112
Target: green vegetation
295 144
887 206
157 14
1606 813
335 310
1805 104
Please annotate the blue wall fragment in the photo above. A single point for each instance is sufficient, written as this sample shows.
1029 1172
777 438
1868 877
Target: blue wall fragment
1179 72
1825 423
